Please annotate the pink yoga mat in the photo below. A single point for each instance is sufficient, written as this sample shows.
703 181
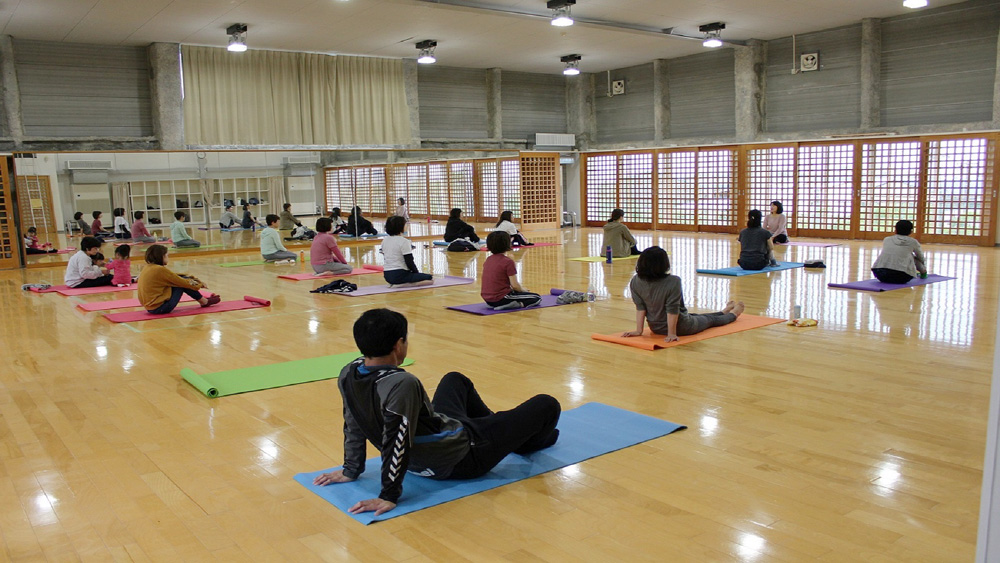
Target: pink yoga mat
126 303
443 281
366 269
248 302
67 250
68 291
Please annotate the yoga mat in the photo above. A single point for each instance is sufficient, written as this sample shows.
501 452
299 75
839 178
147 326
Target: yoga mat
248 302
362 236
256 378
444 244
875 285
126 303
602 258
366 269
443 281
814 244
241 264
650 341
70 291
550 300
588 431
196 247
63 251
223 229
737 271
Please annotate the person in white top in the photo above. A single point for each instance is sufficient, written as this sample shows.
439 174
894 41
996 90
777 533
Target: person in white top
506 224
402 210
399 266
901 259
81 270
121 224
775 223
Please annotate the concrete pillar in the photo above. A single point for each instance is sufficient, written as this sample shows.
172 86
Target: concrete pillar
168 104
11 91
871 73
494 111
750 66
412 87
581 117
996 89
661 101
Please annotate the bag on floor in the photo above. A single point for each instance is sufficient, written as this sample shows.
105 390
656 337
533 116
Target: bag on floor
462 245
336 286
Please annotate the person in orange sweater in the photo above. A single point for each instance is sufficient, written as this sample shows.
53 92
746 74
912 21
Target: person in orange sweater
160 290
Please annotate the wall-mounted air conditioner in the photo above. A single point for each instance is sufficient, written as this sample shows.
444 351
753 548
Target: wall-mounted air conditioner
309 159
88 165
554 141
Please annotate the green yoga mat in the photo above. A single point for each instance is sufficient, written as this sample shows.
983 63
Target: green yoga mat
231 382
602 258
239 264
196 247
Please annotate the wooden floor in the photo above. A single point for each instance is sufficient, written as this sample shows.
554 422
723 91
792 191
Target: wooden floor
859 440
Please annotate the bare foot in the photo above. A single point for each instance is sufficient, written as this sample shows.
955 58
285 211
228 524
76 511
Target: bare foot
738 309
729 307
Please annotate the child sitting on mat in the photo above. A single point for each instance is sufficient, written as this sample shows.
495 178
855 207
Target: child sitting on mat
179 234
660 302
81 270
400 269
31 245
500 289
901 259
453 436
506 224
121 266
324 254
160 290
271 247
756 248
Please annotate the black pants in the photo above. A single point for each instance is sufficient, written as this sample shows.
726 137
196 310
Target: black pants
96 282
528 427
753 263
30 250
634 251
887 275
175 298
517 239
524 298
780 239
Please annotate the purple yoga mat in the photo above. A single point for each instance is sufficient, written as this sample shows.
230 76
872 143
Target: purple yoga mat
442 281
875 285
484 309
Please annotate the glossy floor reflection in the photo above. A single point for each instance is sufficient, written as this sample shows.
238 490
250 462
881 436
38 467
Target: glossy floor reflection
860 439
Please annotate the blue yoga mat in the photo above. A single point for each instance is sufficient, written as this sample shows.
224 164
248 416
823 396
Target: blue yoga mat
587 431
737 271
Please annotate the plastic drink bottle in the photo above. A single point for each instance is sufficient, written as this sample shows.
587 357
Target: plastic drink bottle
607 253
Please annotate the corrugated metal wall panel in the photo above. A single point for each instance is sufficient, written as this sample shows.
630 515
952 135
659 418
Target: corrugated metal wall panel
532 103
629 117
829 98
939 67
75 90
452 103
702 90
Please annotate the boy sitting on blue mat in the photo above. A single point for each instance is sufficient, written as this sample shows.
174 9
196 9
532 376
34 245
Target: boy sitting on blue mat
453 436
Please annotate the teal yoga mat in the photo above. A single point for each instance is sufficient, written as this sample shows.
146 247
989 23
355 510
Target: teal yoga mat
737 271
269 376
587 431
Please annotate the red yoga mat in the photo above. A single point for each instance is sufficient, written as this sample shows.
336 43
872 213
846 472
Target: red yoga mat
126 303
366 269
248 302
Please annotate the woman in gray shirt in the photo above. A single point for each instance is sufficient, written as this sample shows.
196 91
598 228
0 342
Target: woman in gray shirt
659 301
901 259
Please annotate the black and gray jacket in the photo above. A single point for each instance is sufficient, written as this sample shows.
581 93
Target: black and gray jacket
389 407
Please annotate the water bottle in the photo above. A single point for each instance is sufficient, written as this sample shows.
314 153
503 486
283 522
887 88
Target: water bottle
796 312
591 294
302 260
607 253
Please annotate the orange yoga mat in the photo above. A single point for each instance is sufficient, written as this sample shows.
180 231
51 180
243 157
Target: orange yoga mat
650 341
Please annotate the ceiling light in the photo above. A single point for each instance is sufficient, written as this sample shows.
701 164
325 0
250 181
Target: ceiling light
237 37
915 3
713 34
572 64
561 12
426 56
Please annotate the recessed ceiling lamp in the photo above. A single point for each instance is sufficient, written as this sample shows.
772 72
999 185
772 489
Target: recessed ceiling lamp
572 63
426 56
237 37
713 34
561 12
915 3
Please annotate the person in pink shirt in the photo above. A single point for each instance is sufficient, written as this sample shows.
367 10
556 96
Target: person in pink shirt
139 231
121 266
324 254
501 289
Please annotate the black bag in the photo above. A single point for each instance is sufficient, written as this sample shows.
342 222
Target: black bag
461 245
336 286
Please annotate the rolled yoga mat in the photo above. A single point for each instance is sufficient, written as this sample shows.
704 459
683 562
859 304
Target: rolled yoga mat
126 303
875 285
243 380
588 431
737 271
443 281
550 300
366 269
650 341
248 302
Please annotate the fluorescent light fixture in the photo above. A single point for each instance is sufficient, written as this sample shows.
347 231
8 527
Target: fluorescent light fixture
713 34
426 56
914 4
572 63
237 37
561 16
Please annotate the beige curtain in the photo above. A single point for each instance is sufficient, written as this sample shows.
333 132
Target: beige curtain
276 193
280 98
119 198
